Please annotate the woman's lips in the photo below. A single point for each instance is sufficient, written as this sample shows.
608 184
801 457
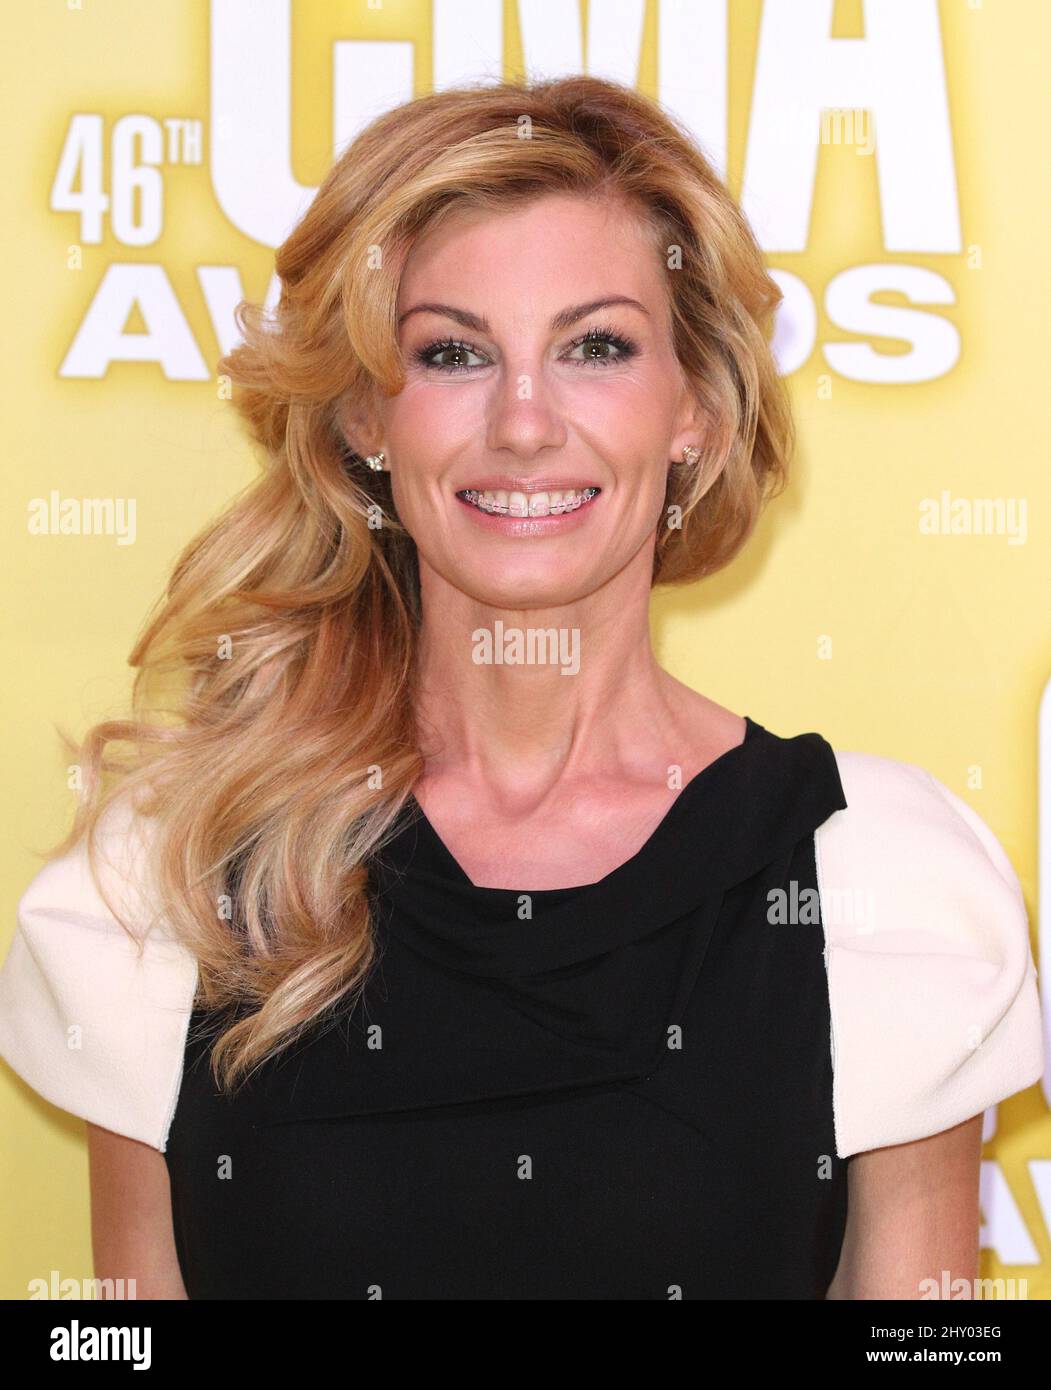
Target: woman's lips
522 523
538 502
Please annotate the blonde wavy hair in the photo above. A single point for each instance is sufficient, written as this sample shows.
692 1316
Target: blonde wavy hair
286 746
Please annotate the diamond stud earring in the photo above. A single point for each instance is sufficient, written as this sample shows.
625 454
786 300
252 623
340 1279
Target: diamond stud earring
691 455
375 461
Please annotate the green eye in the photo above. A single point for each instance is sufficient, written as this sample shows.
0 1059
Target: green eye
623 347
425 356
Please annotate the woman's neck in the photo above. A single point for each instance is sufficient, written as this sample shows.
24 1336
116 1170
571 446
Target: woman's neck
519 701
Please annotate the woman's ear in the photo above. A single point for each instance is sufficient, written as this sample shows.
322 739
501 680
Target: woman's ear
694 425
359 427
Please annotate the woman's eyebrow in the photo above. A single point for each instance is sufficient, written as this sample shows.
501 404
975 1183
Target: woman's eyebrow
563 319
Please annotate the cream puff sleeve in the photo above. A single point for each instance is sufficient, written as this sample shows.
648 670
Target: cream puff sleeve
932 985
90 1024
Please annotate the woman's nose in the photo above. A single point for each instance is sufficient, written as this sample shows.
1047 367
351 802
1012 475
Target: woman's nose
524 412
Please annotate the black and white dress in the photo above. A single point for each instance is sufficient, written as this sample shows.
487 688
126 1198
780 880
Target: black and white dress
648 1087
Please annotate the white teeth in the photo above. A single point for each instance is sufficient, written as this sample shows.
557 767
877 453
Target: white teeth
529 504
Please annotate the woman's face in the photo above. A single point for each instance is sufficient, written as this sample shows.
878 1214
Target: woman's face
539 358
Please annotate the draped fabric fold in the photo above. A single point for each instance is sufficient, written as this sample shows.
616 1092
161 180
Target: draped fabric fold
588 991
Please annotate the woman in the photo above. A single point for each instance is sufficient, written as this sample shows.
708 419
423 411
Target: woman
484 958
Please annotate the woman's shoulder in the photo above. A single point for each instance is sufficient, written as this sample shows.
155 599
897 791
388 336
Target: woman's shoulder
932 982
94 1016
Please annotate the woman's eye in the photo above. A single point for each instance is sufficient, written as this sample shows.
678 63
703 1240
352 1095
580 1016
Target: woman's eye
452 351
602 348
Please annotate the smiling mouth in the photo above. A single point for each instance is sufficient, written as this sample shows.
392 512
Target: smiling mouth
552 503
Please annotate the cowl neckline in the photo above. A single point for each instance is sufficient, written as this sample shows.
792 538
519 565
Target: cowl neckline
749 806
468 1003
439 859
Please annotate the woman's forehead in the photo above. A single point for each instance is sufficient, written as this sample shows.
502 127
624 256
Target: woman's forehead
550 241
